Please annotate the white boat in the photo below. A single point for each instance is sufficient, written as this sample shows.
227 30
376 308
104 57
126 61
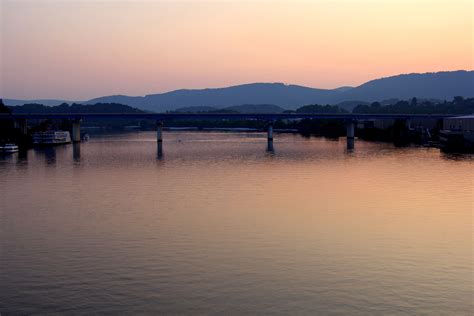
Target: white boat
9 148
51 138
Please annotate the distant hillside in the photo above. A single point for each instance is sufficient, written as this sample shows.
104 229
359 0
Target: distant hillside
286 96
255 108
48 102
75 108
195 109
244 108
349 105
439 85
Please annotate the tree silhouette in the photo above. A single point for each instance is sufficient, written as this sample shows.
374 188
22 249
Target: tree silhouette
3 108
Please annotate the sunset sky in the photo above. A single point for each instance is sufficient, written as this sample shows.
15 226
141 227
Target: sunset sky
78 50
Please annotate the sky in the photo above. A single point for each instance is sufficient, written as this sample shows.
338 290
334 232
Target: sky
81 49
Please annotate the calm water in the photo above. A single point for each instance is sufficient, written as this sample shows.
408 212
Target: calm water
218 225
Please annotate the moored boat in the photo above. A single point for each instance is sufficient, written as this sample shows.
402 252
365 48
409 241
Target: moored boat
51 138
9 148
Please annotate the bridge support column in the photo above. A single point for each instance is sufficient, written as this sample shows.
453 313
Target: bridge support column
270 136
159 139
22 125
76 131
350 129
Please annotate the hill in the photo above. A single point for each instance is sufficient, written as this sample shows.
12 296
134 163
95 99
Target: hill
195 109
75 108
286 96
244 108
255 108
439 85
47 102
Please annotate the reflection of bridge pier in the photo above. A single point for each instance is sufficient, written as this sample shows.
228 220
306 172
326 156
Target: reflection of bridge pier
350 130
159 132
76 151
270 136
159 139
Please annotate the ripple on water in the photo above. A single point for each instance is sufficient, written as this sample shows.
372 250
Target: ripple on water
219 225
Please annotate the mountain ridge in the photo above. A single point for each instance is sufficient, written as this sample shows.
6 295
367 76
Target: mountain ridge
443 85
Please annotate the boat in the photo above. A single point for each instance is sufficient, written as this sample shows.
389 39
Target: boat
51 138
9 148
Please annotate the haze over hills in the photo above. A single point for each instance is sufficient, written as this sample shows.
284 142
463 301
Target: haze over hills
244 108
47 102
439 85
286 96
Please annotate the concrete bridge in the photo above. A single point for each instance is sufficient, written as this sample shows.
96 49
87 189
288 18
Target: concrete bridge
21 120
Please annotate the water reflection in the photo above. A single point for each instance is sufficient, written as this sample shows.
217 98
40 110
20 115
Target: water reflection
270 147
23 155
457 156
7 157
159 150
76 151
223 226
350 144
49 154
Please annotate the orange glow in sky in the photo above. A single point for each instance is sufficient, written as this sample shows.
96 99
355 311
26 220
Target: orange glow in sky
78 50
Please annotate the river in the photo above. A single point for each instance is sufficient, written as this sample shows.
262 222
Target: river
219 225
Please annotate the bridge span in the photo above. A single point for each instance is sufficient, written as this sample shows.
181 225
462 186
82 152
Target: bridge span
350 119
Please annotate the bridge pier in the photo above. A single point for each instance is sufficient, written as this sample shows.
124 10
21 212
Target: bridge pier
159 139
76 131
350 130
270 136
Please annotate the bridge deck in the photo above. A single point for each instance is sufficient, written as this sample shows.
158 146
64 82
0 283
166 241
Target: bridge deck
214 116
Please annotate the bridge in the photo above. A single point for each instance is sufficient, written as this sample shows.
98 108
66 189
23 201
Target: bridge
270 118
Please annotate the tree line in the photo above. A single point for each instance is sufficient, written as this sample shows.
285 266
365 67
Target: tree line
459 105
